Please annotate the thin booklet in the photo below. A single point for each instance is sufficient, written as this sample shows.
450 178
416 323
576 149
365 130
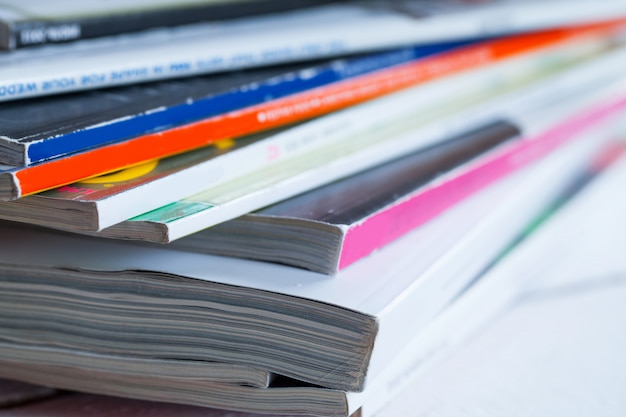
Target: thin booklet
340 334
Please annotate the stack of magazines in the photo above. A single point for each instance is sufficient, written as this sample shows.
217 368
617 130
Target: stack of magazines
270 206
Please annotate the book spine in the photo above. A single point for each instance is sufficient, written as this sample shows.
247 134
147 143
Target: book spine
427 203
247 95
105 159
39 32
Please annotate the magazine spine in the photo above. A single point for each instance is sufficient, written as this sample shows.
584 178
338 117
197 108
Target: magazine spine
215 212
79 70
317 134
34 32
284 111
343 128
275 88
391 223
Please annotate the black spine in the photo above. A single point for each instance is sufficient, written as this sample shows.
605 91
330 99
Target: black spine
38 32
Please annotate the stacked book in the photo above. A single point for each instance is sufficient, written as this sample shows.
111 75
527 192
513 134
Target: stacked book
270 206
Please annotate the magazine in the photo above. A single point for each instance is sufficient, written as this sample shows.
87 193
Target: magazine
325 31
341 334
527 111
419 116
36 22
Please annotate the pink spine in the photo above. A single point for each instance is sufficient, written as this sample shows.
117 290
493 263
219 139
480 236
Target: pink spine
387 225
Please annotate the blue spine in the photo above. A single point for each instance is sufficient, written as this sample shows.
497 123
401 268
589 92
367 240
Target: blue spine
244 96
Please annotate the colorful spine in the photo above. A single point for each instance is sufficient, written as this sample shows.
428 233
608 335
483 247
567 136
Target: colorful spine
29 180
211 206
274 88
317 33
417 209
